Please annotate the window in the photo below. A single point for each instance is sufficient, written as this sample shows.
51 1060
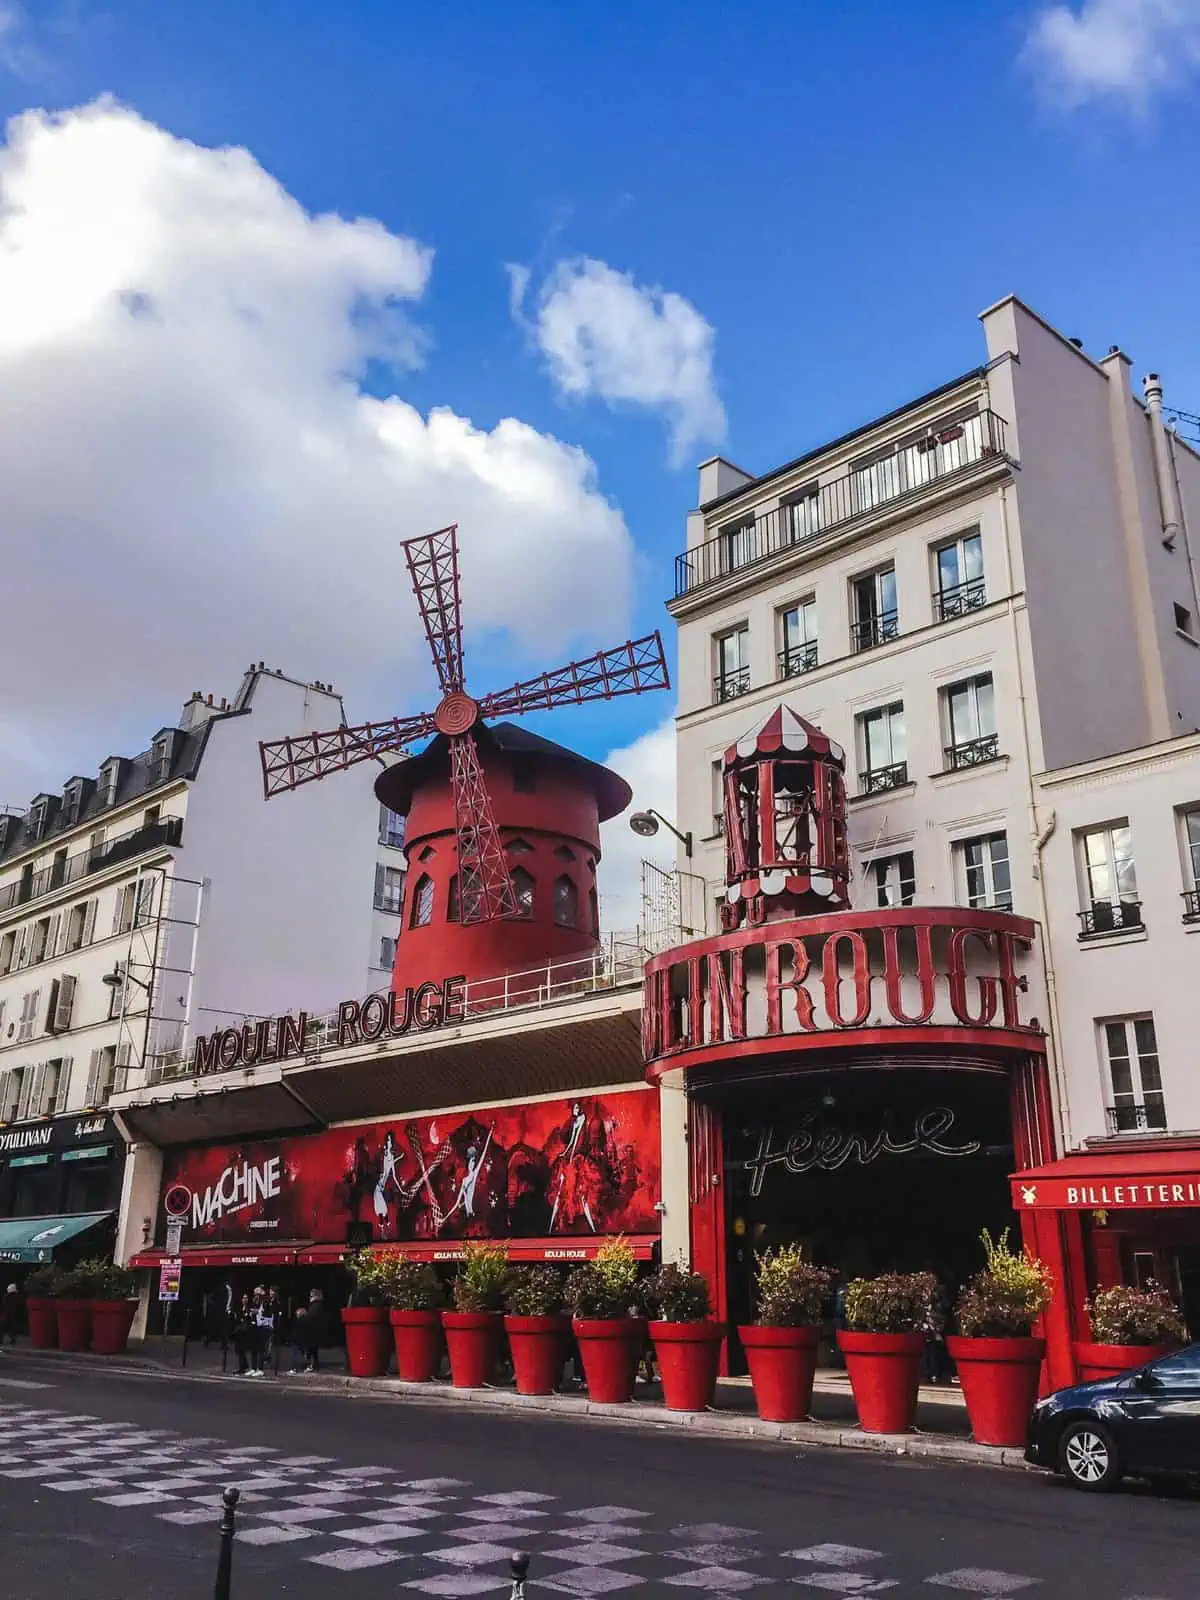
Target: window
522 883
389 889
1189 822
116 992
81 925
519 847
8 951
72 801
881 748
563 853
41 935
427 854
110 774
391 827
1183 620
566 903
107 1071
894 879
732 656
798 638
874 479
422 907
718 798
594 912
1109 881
739 544
1137 1096
986 871
62 1004
151 815
58 869
29 1015
959 574
801 513
969 713
47 1090
387 952
453 901
874 617
35 825
10 1093
132 909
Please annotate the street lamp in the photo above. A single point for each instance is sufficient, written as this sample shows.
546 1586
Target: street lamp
116 979
645 825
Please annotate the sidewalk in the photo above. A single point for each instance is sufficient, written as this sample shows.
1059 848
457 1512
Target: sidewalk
942 1431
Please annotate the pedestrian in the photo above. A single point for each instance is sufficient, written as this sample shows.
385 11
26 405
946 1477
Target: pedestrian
264 1329
244 1337
11 1313
308 1333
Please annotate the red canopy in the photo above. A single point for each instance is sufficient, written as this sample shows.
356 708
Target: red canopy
1112 1180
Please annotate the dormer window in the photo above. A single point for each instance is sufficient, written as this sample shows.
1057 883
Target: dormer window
8 828
162 754
110 777
39 814
73 800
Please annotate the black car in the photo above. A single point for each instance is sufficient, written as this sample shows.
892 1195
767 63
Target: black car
1146 1422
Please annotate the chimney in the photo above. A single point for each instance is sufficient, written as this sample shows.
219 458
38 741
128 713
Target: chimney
1164 466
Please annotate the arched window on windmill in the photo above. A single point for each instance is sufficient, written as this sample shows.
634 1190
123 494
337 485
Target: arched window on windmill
566 902
422 902
453 898
522 883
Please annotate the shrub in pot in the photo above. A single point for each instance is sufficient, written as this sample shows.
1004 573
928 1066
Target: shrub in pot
1129 1327
997 1357
888 1320
73 1307
114 1306
473 1328
415 1299
781 1347
368 1333
42 1289
687 1343
604 1296
537 1328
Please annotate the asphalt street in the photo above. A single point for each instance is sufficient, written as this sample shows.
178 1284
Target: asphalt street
110 1485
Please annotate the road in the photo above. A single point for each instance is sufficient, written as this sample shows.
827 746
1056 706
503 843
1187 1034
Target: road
111 1490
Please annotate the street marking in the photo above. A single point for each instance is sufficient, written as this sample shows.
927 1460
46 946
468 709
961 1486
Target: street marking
979 1580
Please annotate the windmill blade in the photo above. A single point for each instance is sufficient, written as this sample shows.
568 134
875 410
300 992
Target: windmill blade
632 668
485 889
287 763
433 563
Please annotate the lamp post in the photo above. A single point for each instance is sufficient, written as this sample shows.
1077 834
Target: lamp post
646 824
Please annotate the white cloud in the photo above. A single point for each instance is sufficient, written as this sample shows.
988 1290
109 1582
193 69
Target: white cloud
193 476
648 767
1114 49
604 334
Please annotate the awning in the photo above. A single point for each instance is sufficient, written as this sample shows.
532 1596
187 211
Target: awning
1112 1180
221 1256
581 1248
35 1239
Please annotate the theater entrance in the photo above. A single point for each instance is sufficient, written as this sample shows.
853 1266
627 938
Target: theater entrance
869 1171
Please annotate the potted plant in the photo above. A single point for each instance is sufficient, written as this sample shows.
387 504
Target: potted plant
368 1334
114 1306
537 1328
415 1298
687 1343
997 1357
42 1289
473 1328
73 1307
1129 1327
603 1295
781 1347
887 1322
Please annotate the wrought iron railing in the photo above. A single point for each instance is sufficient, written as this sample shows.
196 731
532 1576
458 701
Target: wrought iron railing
973 752
731 685
1191 905
1151 1117
1121 916
881 779
124 847
800 658
959 599
947 450
872 631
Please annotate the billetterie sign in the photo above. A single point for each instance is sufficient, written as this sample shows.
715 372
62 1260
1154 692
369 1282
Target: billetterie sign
421 1008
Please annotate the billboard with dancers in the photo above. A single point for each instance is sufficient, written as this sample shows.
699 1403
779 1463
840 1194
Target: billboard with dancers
588 1165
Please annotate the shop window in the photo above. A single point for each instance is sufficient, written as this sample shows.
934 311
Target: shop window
1108 880
522 883
1131 1051
985 873
566 903
894 879
422 907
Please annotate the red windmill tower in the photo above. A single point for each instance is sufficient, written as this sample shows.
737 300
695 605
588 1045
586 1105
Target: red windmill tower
502 836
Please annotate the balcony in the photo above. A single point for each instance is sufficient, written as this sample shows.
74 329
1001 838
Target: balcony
880 779
124 847
973 753
959 599
731 685
946 452
1132 1118
872 631
1103 919
799 659
1191 905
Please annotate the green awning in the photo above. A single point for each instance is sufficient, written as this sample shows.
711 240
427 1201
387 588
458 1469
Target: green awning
37 1238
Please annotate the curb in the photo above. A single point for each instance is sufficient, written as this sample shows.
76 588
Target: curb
635 1415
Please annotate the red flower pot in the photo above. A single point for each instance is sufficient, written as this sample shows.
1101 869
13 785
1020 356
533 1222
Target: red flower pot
43 1324
74 1323
885 1370
1097 1360
783 1363
688 1356
368 1340
610 1352
539 1348
473 1338
418 1339
111 1322
999 1380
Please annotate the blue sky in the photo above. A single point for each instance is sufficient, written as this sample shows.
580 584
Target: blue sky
832 192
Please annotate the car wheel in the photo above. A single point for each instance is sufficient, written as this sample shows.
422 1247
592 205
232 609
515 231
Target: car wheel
1087 1457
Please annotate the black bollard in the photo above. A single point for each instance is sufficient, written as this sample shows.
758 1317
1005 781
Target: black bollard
229 1502
518 1568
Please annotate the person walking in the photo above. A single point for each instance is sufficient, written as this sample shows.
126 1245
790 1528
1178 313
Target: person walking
264 1327
244 1331
309 1329
11 1310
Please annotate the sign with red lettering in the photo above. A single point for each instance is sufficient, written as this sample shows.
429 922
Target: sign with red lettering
1155 1191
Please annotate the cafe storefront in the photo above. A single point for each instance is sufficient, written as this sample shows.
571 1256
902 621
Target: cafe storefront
60 1187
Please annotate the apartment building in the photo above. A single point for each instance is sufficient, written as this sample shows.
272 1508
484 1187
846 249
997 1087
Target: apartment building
163 897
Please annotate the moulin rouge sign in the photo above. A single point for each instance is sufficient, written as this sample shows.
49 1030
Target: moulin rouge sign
421 1009
808 979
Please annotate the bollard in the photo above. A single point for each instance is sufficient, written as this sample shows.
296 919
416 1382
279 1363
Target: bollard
229 1501
518 1568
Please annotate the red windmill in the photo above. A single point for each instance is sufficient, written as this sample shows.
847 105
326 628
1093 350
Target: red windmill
484 889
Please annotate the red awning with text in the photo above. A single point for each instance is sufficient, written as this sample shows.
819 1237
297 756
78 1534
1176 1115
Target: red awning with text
222 1256
1115 1180
562 1249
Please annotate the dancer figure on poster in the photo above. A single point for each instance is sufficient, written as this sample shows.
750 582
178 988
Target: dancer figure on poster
476 1164
577 1169
387 1174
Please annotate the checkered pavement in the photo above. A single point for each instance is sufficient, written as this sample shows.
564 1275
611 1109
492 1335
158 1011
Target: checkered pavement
438 1534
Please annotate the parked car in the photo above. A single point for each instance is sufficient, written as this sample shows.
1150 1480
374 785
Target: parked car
1146 1422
